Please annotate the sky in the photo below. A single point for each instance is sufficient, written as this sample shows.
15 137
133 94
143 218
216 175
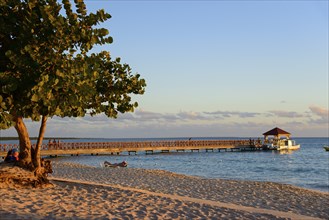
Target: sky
214 69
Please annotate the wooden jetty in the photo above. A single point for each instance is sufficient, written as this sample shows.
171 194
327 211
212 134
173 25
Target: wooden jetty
149 147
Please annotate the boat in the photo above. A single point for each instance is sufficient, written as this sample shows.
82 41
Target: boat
277 143
281 144
326 148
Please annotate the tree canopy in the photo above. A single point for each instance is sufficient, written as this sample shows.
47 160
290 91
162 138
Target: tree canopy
47 68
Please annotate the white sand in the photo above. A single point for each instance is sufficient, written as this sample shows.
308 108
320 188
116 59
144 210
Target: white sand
82 192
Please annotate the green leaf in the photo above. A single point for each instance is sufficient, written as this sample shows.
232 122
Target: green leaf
58 111
35 98
3 105
59 73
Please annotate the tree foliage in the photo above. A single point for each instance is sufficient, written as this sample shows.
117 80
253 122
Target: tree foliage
47 68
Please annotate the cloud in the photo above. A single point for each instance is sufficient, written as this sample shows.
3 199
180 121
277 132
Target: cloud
146 115
142 116
286 114
149 117
322 115
191 116
228 114
319 111
141 123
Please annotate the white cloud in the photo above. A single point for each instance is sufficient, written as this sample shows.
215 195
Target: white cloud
228 114
321 116
319 111
191 116
287 114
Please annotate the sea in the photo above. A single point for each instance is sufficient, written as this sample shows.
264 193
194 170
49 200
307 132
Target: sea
307 167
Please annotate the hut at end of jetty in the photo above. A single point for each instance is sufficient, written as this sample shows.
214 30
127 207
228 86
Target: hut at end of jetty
279 144
277 133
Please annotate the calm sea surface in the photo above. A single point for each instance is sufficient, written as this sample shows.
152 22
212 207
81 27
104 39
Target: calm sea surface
307 167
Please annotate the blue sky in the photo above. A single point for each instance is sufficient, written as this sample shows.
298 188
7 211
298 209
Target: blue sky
215 68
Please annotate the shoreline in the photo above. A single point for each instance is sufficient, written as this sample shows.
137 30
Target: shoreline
85 192
73 165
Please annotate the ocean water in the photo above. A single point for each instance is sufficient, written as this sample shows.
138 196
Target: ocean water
307 167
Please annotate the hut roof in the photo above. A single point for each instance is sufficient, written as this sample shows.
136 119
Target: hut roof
276 131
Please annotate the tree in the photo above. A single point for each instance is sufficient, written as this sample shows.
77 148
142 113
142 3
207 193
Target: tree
47 68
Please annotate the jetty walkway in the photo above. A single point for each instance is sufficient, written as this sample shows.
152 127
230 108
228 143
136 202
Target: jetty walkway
149 147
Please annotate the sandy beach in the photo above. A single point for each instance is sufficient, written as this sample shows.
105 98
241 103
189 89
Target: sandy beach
83 192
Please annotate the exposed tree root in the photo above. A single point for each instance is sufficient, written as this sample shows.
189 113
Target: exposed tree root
13 176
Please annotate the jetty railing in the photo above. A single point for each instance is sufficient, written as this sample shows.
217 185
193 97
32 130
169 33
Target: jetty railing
122 146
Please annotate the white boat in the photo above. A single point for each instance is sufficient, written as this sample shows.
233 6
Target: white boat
277 143
326 148
282 144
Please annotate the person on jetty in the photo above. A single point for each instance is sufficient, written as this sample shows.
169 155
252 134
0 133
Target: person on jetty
122 164
12 155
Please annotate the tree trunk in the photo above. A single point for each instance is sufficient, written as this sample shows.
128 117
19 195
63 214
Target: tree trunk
29 158
37 156
24 143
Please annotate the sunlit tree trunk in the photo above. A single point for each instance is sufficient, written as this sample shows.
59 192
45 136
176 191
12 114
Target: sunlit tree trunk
25 159
37 155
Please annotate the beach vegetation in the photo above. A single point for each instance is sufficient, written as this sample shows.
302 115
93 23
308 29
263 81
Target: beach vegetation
49 67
